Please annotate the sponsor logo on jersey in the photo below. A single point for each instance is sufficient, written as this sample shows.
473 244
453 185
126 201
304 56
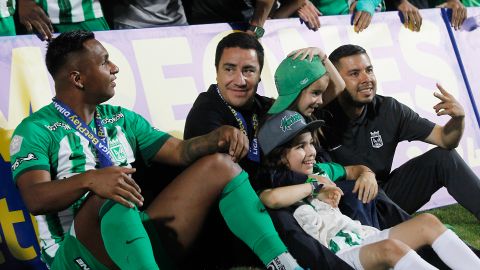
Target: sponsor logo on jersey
117 150
112 120
83 265
15 144
56 125
20 160
376 139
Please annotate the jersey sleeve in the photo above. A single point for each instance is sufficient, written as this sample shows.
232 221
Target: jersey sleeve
29 149
149 139
411 125
334 170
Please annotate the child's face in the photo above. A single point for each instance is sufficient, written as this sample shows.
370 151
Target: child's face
312 97
301 156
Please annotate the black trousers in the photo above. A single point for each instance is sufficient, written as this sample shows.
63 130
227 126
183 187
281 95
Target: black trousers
411 185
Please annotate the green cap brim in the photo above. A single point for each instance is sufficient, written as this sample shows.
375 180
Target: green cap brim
282 103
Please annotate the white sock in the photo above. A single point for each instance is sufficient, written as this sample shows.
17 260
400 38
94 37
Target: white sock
454 252
284 261
412 260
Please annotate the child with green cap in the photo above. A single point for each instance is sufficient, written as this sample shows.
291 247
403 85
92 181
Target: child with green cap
305 80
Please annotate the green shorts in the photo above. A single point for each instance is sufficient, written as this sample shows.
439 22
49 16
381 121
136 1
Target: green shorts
74 255
7 26
99 24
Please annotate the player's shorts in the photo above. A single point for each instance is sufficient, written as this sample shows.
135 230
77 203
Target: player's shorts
352 255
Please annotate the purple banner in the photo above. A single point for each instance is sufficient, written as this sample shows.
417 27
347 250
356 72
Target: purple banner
162 70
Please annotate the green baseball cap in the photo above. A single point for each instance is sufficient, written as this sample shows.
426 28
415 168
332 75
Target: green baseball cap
291 77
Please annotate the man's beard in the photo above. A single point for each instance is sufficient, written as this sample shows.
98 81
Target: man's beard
349 99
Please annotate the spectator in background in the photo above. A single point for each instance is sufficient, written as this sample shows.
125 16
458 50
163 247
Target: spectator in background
308 11
7 25
413 18
255 13
144 14
48 16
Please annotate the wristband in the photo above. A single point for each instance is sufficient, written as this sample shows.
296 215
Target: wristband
316 187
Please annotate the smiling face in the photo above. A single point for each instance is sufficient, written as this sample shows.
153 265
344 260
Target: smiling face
301 156
357 72
312 96
238 75
97 72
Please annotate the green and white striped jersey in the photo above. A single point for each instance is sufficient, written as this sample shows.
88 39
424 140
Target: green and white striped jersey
7 8
44 141
71 11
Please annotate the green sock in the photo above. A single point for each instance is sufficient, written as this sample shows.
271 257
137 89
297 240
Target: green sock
247 218
125 238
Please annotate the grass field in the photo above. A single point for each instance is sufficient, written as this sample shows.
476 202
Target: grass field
463 222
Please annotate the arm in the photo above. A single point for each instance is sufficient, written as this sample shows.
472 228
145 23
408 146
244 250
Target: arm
307 12
411 15
225 139
32 16
366 184
336 85
450 134
285 196
261 12
42 195
280 197
459 12
363 12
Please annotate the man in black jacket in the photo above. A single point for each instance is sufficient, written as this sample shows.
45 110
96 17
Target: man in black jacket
233 101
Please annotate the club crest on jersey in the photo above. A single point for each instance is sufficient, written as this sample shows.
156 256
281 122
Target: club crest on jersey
376 139
117 150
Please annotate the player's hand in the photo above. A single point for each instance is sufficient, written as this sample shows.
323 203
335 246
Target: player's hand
366 186
411 16
323 180
309 14
448 104
330 195
33 17
233 141
309 52
116 183
459 12
361 19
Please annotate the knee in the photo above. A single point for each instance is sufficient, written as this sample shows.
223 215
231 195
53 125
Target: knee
442 154
393 250
221 165
431 225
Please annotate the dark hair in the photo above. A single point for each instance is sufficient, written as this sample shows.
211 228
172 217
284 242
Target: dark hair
60 47
344 51
239 40
274 159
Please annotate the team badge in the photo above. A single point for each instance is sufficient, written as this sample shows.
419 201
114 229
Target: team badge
376 139
15 144
117 150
